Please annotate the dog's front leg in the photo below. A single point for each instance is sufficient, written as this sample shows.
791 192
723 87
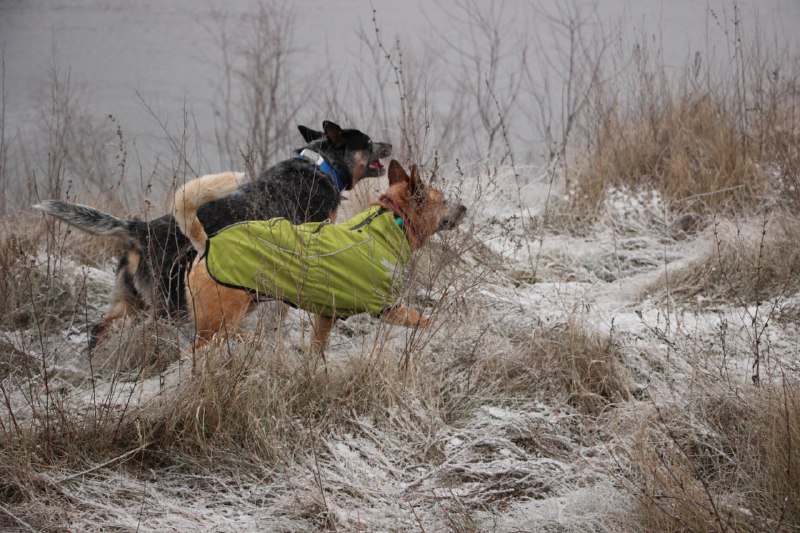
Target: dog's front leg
403 316
321 333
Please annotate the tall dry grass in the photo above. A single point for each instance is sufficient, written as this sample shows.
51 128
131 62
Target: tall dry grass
568 363
730 465
255 397
709 140
275 406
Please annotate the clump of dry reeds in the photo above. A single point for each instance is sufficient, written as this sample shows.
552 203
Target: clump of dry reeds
708 142
272 405
730 465
687 146
580 367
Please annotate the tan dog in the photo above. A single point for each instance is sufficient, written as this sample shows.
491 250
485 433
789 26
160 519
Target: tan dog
356 277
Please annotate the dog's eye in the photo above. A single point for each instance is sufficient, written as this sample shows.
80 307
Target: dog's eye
369 146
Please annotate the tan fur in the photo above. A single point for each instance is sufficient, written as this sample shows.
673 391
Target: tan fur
121 305
197 192
217 309
214 307
403 316
134 256
359 166
120 309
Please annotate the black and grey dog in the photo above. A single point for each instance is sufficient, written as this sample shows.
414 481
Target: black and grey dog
306 188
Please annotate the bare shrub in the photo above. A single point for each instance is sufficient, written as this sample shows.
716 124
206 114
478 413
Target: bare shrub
396 88
562 77
81 157
486 69
261 95
434 104
5 175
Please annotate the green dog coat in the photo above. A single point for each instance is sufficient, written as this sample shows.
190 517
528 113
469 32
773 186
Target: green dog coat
329 269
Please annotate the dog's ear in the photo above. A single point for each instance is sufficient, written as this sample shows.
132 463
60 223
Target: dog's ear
415 184
333 132
397 173
309 135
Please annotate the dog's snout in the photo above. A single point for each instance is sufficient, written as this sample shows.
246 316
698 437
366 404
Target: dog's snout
452 217
383 149
458 211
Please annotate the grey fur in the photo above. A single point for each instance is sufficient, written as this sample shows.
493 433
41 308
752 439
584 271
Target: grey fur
88 219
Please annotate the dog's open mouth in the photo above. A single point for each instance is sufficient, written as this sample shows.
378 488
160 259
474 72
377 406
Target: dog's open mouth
375 164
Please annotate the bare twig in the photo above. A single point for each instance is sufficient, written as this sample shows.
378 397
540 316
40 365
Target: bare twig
120 458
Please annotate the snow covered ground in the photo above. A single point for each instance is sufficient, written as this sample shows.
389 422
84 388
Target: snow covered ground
503 462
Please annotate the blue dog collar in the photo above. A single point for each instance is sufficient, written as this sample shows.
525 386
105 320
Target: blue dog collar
313 157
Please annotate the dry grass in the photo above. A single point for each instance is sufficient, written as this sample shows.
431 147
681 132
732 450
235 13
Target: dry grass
493 410
687 146
731 464
271 404
708 142
748 263
275 406
44 296
32 293
139 348
35 292
569 363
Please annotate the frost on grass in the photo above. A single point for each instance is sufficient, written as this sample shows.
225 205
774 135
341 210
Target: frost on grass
551 365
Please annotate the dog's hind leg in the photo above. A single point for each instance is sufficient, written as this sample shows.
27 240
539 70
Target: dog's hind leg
216 309
125 300
321 329
99 330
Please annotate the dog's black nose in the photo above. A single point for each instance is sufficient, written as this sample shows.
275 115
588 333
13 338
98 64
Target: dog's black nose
453 216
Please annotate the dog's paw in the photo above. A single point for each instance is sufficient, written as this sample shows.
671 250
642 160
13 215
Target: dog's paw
403 316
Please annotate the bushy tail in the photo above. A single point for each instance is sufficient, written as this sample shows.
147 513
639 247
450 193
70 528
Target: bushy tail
197 192
89 219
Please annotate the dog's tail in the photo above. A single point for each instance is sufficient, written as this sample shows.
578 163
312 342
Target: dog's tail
197 192
89 219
